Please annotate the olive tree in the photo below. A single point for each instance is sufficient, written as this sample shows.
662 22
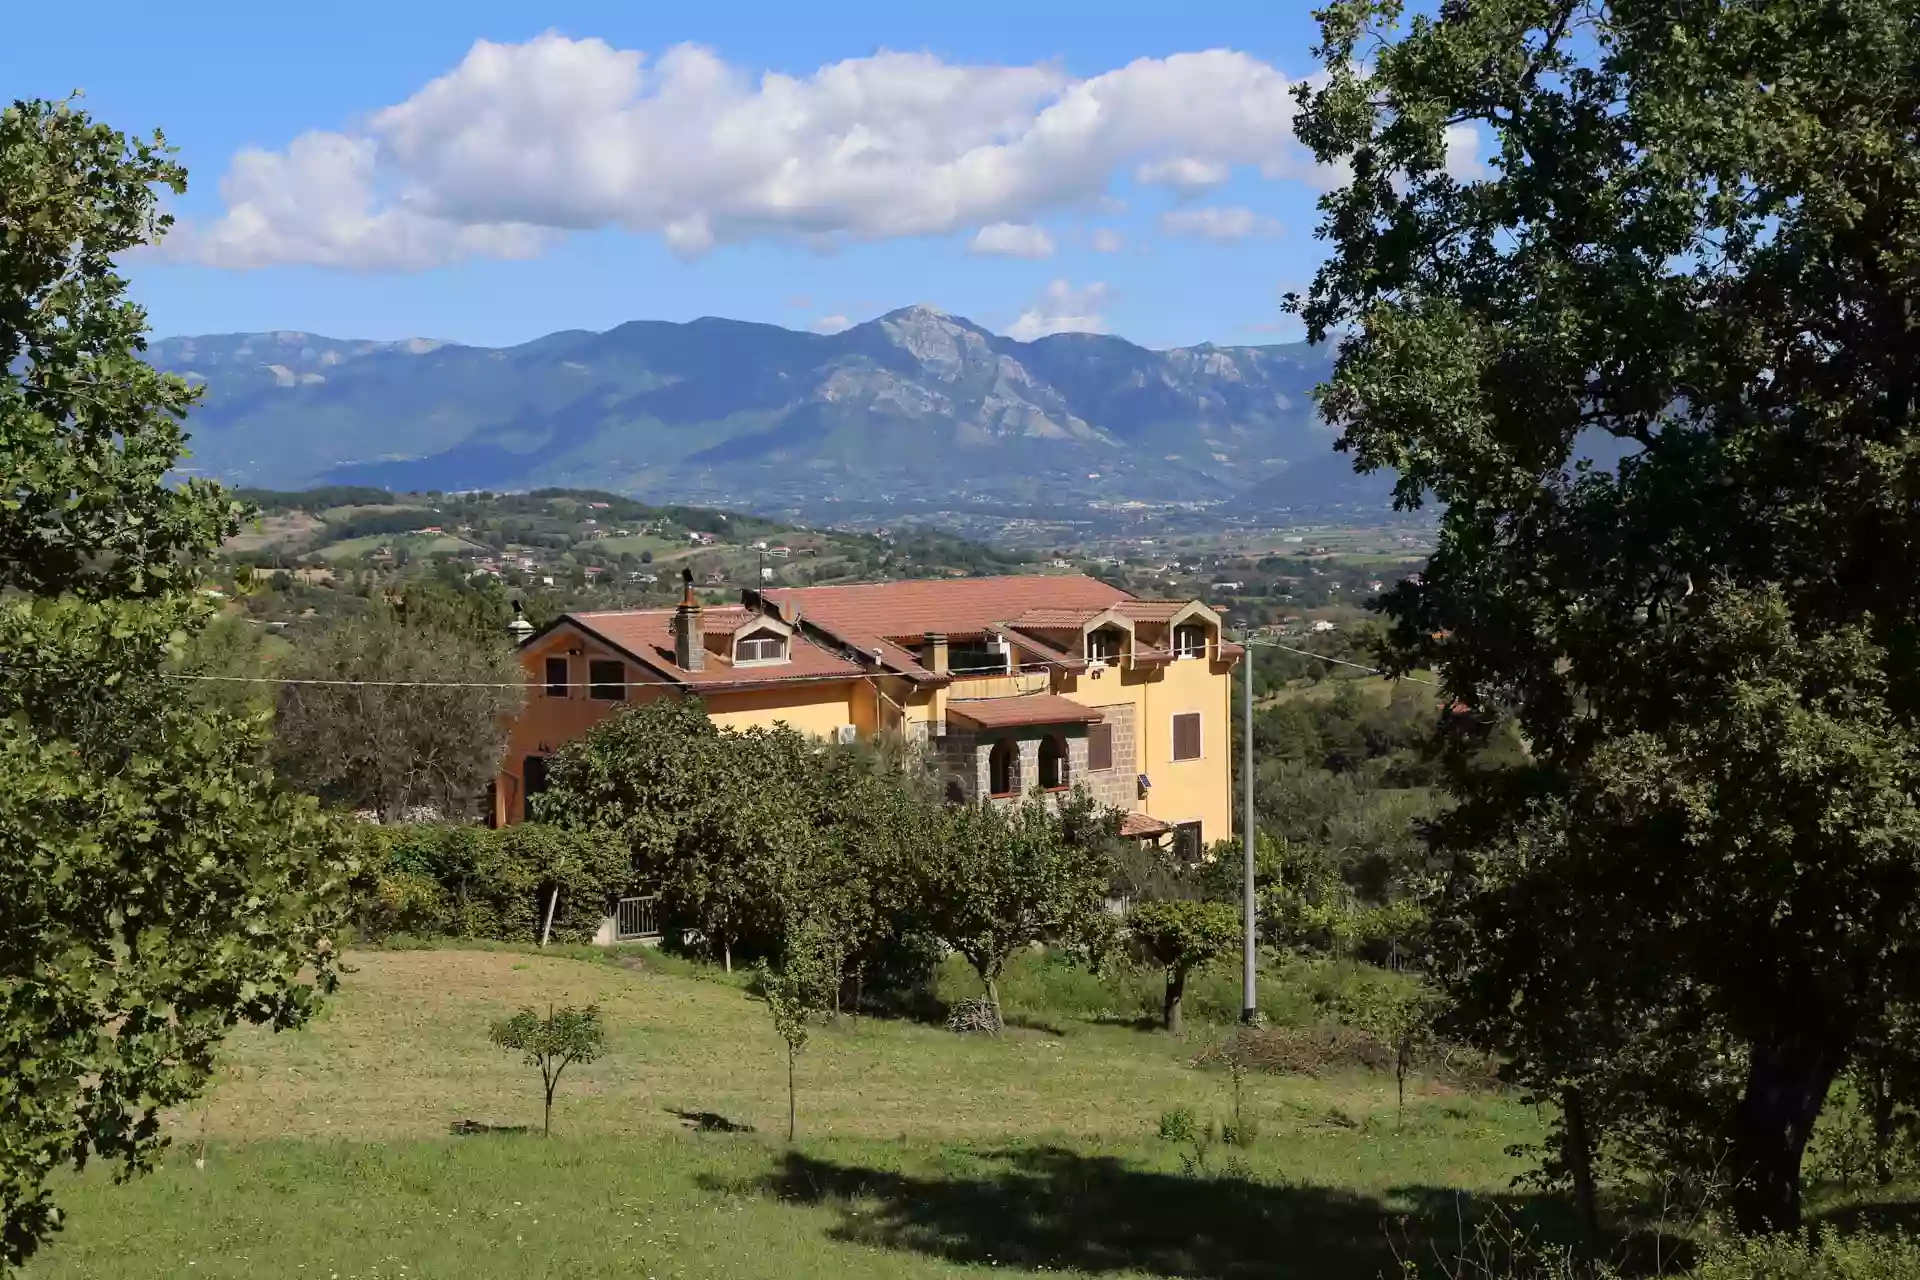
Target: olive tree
1180 936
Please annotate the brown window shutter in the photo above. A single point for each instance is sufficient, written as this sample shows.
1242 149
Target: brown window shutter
1186 736
1099 746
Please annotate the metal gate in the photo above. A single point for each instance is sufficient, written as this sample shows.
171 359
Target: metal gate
636 919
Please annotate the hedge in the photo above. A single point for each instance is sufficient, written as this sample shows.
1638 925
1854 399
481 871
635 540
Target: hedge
447 880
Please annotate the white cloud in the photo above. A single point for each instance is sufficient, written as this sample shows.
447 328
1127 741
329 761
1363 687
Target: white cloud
1222 224
1061 308
829 324
521 142
1107 240
1183 173
1013 240
1463 152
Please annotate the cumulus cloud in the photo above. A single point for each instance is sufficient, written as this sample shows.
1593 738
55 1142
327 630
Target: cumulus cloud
1013 240
1061 308
1107 240
829 324
522 142
1222 224
1183 173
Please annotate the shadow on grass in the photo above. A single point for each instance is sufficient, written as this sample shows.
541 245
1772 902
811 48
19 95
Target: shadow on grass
473 1128
1050 1208
709 1122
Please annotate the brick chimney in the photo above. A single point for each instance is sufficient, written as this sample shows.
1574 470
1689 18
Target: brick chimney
933 652
689 634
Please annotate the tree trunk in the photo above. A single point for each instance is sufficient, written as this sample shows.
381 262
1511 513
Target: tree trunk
1578 1156
1880 1103
1176 990
726 953
792 1109
546 1116
993 1000
1787 1085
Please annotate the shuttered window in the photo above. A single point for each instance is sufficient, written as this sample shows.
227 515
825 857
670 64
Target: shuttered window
1186 736
1100 746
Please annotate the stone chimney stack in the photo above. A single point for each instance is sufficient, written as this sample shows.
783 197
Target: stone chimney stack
933 652
689 633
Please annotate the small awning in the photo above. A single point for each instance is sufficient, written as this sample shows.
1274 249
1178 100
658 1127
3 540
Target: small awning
1138 826
1019 712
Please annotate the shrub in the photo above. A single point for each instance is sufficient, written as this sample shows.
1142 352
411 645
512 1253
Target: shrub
459 881
1830 1256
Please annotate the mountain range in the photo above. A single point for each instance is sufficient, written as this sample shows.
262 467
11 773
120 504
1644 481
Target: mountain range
913 405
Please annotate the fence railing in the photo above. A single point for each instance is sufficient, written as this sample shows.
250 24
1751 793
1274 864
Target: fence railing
636 919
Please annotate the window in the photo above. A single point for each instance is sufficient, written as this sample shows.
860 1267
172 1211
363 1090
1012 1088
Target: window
1099 747
607 680
533 780
974 655
1190 641
1187 845
1053 763
556 677
1003 768
761 646
1186 736
1104 645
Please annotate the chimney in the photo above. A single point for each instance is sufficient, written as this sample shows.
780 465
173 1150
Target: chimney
933 652
689 636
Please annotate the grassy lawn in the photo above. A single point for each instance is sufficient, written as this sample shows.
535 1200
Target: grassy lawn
327 1152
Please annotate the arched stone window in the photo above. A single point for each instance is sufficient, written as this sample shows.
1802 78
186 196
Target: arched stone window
1053 762
1003 768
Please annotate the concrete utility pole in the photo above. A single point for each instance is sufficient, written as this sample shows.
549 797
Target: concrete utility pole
1249 1007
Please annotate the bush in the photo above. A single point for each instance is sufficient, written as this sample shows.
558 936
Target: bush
1831 1256
447 880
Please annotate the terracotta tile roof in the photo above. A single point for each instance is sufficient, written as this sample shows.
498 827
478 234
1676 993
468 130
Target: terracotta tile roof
1040 648
1055 619
647 634
1008 713
1150 610
952 605
1139 824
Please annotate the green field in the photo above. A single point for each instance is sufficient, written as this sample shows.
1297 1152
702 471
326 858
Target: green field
326 1152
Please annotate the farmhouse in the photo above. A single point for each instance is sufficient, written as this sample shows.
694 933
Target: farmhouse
1012 682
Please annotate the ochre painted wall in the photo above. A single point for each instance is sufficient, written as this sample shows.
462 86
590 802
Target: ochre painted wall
1186 791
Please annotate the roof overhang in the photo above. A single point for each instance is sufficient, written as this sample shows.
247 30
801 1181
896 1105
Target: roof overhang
1029 711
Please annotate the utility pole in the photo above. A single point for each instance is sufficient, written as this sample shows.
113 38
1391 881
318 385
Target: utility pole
1249 1007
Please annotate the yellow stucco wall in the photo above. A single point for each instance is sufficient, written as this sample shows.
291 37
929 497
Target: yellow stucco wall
1186 791
545 723
1182 791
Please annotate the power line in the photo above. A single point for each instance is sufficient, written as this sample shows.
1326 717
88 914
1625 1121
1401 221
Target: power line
1359 666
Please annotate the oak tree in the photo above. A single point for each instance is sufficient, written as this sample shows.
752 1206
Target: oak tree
1627 286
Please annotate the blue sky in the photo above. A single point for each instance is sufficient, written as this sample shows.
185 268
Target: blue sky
1014 163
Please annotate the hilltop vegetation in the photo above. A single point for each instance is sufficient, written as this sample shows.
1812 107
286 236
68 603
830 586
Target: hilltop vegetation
572 545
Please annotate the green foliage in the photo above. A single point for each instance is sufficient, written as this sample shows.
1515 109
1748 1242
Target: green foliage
1000 879
552 1044
159 887
1828 1256
88 430
1180 937
1686 899
803 984
426 728
450 880
1401 1016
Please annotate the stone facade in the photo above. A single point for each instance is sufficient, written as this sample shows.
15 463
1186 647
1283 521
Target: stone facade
1120 785
964 757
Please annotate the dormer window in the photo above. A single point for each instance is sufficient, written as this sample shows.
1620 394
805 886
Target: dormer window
1104 645
1190 640
759 647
